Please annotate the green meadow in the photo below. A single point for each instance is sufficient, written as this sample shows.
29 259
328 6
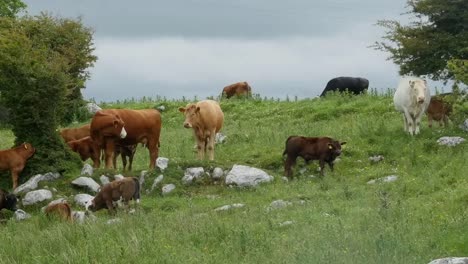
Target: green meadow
335 219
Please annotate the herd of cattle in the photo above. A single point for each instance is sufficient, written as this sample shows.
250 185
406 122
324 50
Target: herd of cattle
114 132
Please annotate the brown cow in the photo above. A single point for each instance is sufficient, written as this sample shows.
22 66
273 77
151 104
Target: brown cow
69 134
126 152
206 119
15 159
61 209
141 126
85 147
8 200
438 110
324 149
238 89
126 189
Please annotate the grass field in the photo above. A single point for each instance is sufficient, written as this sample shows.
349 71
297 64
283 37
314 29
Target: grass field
336 219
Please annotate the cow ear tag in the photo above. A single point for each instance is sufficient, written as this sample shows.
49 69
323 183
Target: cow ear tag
25 147
330 146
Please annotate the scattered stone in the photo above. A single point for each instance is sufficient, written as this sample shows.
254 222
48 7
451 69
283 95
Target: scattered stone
217 174
192 174
21 215
37 196
303 170
92 108
82 199
32 183
113 221
162 163
168 188
301 202
229 207
220 138
452 260
390 178
376 158
286 223
87 170
142 178
104 179
118 177
245 176
464 126
54 190
157 181
86 182
285 179
278 204
450 141
161 108
212 196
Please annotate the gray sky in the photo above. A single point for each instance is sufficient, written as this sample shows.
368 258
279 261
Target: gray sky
196 47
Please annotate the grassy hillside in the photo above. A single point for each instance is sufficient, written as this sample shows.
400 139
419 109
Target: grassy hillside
336 219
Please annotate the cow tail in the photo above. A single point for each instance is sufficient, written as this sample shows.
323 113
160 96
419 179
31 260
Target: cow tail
286 145
136 195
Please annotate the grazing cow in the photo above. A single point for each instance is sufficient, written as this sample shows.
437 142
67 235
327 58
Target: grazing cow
15 159
126 151
61 209
438 110
8 200
85 147
125 189
69 134
238 89
126 127
341 84
323 149
206 119
412 98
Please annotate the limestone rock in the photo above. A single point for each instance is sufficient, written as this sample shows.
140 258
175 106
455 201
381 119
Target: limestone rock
87 170
37 196
33 182
168 188
390 178
86 182
245 176
450 141
162 163
82 199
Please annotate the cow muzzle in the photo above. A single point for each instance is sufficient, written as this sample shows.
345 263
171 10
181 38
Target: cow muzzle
187 125
123 133
420 100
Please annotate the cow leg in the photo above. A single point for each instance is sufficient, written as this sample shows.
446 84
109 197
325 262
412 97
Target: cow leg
417 122
130 160
330 163
409 125
153 149
445 118
109 154
288 163
429 120
405 122
114 159
14 177
322 167
110 206
96 156
211 144
124 160
200 149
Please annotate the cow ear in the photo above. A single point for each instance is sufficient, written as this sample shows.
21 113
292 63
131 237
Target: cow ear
181 109
197 110
116 123
411 83
330 146
343 143
25 146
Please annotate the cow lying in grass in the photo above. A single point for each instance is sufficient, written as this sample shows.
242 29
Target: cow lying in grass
125 189
15 159
323 149
61 210
8 201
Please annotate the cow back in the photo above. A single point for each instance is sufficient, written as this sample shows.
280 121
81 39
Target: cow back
211 115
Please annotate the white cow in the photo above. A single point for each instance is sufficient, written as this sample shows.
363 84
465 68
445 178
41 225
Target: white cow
412 98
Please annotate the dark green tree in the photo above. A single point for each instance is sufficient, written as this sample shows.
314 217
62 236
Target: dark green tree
35 80
437 35
10 8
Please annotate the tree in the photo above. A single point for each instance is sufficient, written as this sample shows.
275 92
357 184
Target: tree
37 69
10 8
426 46
459 68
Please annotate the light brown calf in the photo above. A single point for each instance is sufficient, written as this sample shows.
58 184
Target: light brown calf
69 134
15 159
62 210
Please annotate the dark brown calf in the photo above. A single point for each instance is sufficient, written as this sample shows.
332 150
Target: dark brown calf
125 189
127 151
323 149
62 210
8 200
85 147
15 159
238 89
438 110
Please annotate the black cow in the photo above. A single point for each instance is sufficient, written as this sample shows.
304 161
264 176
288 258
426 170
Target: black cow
8 200
341 84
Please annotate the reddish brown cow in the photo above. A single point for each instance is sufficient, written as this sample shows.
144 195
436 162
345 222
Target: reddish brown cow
438 110
238 89
140 126
323 149
85 147
125 189
125 152
206 119
61 210
8 200
15 159
69 134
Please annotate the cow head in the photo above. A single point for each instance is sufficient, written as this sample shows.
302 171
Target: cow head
335 147
191 112
10 202
418 89
90 205
28 148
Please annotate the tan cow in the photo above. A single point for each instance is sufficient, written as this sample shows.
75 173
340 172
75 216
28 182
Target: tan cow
69 134
206 119
126 127
237 89
61 210
15 159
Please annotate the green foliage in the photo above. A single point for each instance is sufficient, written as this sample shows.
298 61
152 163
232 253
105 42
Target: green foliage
459 68
10 8
426 45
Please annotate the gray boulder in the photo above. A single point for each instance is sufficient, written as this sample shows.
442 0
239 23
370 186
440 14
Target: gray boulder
157 181
192 174
161 108
114 221
450 141
86 182
118 177
245 176
104 179
162 163
87 170
390 178
92 108
168 188
81 217
229 207
33 183
464 126
142 178
279 204
21 215
37 196
217 174
286 223
376 158
220 138
82 198
453 260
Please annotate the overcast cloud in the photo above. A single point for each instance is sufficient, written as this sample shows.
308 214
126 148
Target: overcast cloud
196 47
